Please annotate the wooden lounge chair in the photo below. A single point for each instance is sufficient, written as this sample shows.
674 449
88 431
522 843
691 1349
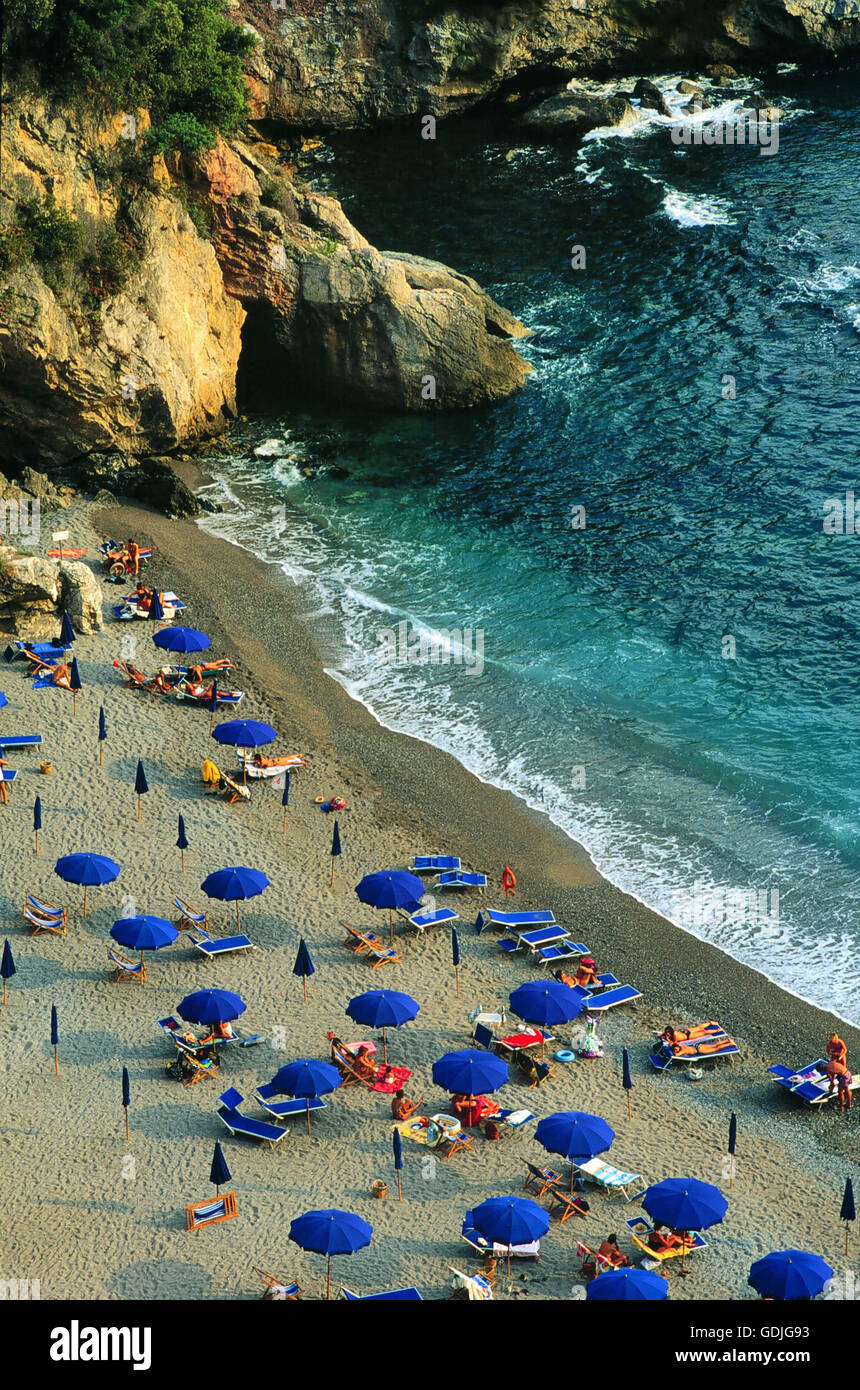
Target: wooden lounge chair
477 1286
629 1185
233 791
454 1142
568 1203
540 1072
44 917
276 1290
188 917
189 1065
640 1230
377 951
207 1213
540 1180
593 1263
125 969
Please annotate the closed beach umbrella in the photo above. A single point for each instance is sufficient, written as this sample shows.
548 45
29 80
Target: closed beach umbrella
156 608
181 639
455 957
126 1098
398 1160
235 885
144 933
211 1006
213 703
55 1038
304 966
330 1232
733 1142
37 821
335 849
576 1135
141 786
391 888
685 1204
102 732
626 1082
510 1221
67 632
546 1003
182 841
469 1072
846 1214
789 1275
219 1172
382 1008
627 1286
306 1079
7 969
285 799
89 870
74 683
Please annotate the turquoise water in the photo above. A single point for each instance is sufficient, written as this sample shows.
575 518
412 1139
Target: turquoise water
674 682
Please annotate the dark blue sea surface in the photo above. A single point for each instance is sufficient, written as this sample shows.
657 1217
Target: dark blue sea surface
675 683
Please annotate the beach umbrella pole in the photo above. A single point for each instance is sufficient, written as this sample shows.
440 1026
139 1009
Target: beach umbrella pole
331 880
328 1280
308 1113
56 1061
126 1125
37 844
629 1116
182 853
85 900
457 974
305 986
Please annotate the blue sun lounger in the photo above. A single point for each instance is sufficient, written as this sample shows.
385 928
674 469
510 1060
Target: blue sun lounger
285 1109
215 946
565 950
240 1124
410 1295
809 1083
434 863
491 918
422 920
21 651
459 879
610 998
533 940
19 741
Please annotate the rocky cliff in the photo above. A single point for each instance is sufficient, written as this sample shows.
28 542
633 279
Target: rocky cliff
327 64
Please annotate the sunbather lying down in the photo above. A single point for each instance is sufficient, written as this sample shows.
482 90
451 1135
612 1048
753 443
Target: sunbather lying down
698 1030
701 1049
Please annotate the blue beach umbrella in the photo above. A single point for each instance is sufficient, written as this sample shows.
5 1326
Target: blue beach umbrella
469 1072
306 1079
510 1221
102 732
126 1098
219 1172
141 786
156 608
235 885
574 1134
211 1006
330 1232
546 1003
398 1160
847 1214
144 933
89 870
335 849
304 966
55 1038
382 1008
627 1286
181 639
37 820
626 1081
685 1204
182 841
67 632
7 966
244 733
391 888
789 1275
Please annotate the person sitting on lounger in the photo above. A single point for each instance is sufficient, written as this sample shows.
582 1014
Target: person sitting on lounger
401 1107
586 974
363 1064
609 1251
471 1110
143 597
661 1240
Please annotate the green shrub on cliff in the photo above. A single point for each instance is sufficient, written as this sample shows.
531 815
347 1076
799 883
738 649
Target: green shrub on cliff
183 132
173 56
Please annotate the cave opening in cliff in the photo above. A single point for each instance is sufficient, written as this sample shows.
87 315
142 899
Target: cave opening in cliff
264 375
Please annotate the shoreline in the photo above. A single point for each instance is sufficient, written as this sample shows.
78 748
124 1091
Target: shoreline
567 867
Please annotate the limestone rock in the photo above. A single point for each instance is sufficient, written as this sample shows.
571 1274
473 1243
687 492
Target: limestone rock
82 596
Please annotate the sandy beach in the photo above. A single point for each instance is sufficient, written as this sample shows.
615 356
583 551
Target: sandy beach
93 1217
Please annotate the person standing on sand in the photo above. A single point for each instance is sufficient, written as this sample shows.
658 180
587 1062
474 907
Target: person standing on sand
840 1079
837 1051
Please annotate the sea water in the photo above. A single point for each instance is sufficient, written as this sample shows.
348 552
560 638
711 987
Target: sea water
655 538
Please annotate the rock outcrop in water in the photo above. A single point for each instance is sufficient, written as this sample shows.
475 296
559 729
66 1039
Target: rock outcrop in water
150 365
335 64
